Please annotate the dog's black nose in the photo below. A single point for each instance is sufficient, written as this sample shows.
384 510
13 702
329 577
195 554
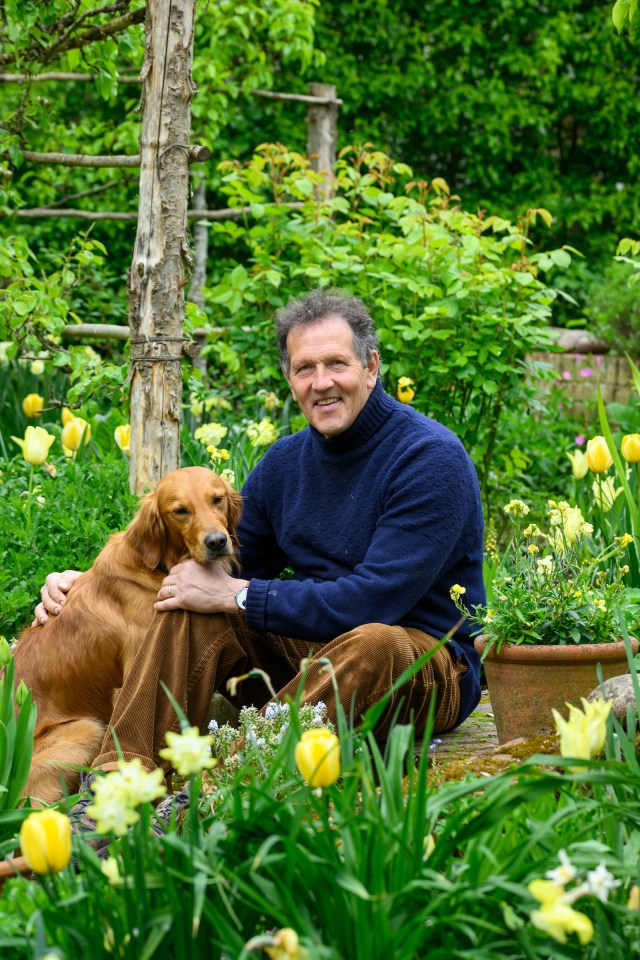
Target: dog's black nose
216 542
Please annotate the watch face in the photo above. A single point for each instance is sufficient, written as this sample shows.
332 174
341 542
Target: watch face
241 598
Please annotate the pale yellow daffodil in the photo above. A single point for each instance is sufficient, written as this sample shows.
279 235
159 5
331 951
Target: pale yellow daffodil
605 493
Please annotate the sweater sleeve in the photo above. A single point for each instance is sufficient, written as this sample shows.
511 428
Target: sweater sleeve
422 532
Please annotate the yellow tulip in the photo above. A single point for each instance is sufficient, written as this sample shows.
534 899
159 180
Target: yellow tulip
122 436
33 405
66 416
584 733
318 757
35 445
598 456
75 433
405 392
579 464
45 841
631 447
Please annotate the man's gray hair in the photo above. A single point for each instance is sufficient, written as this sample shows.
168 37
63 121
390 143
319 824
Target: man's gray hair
318 305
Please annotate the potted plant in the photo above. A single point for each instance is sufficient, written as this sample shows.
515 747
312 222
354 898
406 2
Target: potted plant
551 619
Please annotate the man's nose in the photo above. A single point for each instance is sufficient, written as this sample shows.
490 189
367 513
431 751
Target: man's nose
322 379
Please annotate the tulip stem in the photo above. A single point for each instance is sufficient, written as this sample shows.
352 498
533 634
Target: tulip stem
29 496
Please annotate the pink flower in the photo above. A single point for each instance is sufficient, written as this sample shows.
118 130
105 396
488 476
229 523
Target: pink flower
566 375
579 440
586 372
598 360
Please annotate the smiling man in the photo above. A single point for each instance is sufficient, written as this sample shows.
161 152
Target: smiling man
375 511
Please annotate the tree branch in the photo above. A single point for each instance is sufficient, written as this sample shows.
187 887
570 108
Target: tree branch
226 213
101 32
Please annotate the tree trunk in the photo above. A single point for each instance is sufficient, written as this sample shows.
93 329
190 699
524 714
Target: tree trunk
160 257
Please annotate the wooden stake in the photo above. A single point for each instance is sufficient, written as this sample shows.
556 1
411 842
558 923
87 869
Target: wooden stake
160 256
322 122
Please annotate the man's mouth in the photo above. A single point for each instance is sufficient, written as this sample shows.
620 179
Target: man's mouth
328 402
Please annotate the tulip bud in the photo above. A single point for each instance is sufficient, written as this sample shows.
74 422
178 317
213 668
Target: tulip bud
22 692
75 433
5 651
598 455
631 447
33 405
318 757
122 436
66 416
405 391
35 445
45 841
579 464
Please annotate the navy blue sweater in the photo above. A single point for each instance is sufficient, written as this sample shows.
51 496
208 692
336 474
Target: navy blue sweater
377 524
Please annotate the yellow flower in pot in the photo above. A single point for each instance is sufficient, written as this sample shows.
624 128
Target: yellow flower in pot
551 617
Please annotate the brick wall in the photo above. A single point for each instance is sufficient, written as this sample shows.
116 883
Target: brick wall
578 374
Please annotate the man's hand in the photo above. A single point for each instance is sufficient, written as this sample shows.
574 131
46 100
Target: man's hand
191 586
53 594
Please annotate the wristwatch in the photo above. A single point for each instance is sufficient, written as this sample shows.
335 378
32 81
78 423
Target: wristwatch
241 597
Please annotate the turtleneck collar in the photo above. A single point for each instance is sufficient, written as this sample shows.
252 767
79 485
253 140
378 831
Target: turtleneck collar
375 412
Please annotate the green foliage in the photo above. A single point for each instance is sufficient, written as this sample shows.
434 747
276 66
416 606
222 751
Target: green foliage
17 723
72 516
457 297
382 864
548 588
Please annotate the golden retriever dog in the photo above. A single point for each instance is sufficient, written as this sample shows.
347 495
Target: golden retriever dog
75 662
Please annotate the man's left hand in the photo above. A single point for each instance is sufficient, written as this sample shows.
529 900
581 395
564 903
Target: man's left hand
203 589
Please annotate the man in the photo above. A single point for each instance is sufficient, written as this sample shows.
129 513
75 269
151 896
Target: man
374 507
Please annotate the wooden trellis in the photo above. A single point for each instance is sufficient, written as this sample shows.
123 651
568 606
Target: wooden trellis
156 285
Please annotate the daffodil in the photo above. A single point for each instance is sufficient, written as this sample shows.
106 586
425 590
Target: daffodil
188 752
211 434
555 916
37 367
45 841
35 445
120 792
406 390
122 436
583 734
75 433
579 464
262 434
318 757
33 405
598 456
631 447
517 508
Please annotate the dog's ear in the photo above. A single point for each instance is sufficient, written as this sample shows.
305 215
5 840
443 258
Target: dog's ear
234 509
147 533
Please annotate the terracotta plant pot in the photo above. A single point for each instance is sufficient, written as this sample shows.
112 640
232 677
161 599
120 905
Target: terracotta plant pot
526 681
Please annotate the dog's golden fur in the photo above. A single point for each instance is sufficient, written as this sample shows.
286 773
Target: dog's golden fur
75 662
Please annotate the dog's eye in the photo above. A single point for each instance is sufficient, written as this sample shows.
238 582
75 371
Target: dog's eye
181 511
217 500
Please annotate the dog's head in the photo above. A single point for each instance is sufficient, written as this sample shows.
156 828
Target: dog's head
192 513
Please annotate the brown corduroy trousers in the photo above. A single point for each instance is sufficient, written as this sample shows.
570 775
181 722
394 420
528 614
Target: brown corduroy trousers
195 654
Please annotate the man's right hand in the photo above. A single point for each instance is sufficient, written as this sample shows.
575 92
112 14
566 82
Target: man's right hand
53 594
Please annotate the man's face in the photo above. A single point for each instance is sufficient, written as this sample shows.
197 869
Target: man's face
326 378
